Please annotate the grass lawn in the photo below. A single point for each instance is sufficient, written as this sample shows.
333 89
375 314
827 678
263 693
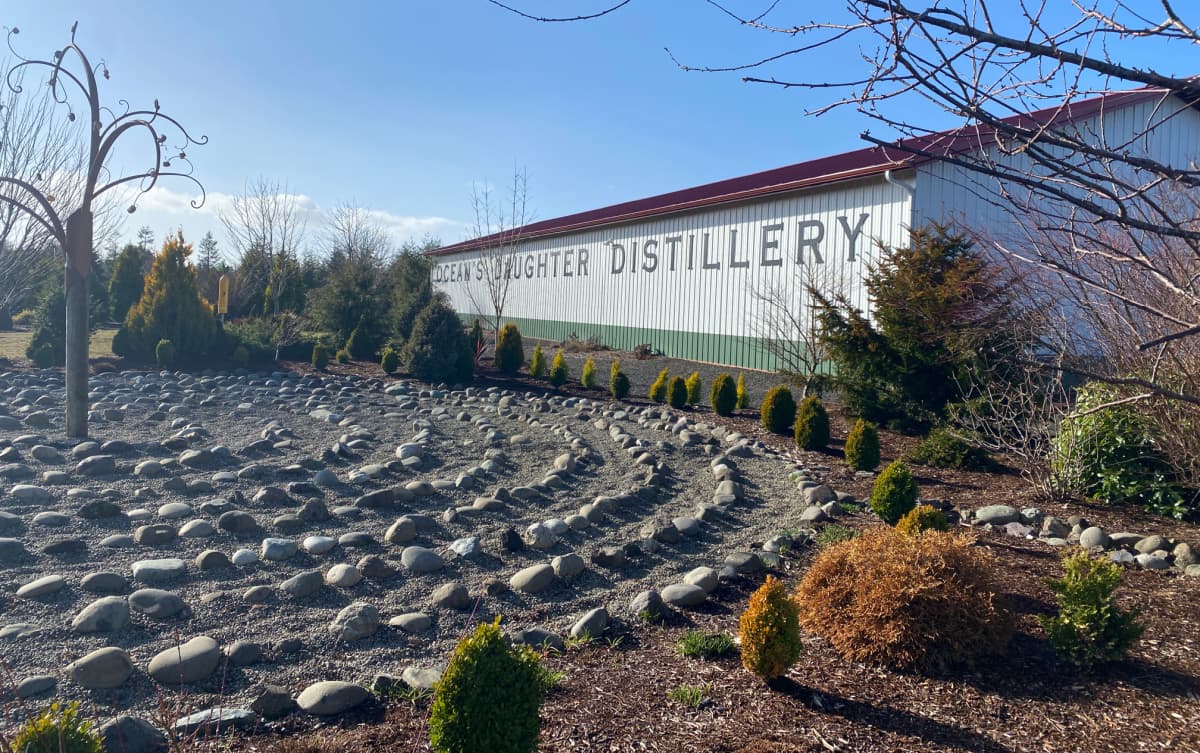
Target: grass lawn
13 344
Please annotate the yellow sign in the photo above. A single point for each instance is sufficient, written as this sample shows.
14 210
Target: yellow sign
223 295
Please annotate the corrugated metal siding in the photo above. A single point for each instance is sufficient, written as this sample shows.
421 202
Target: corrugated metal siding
690 311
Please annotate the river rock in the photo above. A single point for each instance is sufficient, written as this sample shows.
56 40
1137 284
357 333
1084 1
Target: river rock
191 662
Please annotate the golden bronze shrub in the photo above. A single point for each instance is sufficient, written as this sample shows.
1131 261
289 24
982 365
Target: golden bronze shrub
770 631
907 602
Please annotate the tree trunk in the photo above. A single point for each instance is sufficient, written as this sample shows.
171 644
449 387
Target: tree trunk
78 269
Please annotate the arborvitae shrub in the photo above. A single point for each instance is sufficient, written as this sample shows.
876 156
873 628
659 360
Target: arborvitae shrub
922 518
342 356
559 372
170 308
488 698
537 362
164 353
618 383
587 377
658 389
743 397
812 425
677 392
778 410
923 602
58 729
125 285
390 361
941 449
894 493
1089 629
694 388
510 352
770 631
241 356
437 350
50 330
862 446
320 356
723 395
360 345
43 356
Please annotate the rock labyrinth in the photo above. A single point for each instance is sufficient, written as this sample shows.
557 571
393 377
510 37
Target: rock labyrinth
263 540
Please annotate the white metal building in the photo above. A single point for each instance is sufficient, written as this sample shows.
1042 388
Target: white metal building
679 271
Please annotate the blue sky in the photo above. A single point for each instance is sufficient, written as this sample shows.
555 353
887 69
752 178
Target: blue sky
399 107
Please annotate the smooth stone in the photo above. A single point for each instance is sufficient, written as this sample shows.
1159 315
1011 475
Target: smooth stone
97 465
104 615
156 572
532 579
303 584
214 720
540 638
343 576
66 548
610 557
51 519
568 566
238 522
355 621
102 669
243 653
683 595
705 577
421 560
244 557
539 536
99 508
319 544
1151 544
744 563
277 550
274 702
687 526
173 510
1150 562
28 494
35 685
374 567
451 596
402 531
468 546
648 604
118 541
1093 537
331 697
258 594
104 583
44 586
421 678
155 534
17 630
129 734
411 622
156 603
197 529
592 624
190 662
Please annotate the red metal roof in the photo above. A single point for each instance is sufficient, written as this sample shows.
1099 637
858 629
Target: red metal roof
826 170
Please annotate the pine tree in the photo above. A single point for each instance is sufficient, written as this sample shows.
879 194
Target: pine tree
125 287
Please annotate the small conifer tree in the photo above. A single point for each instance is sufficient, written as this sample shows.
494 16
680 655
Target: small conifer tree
537 362
559 371
587 377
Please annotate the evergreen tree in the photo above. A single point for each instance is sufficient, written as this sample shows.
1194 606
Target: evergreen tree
125 287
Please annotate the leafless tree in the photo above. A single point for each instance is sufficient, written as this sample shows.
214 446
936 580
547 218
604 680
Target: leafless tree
354 232
500 222
266 226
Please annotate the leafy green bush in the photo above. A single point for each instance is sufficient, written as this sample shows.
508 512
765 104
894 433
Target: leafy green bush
697 644
862 446
559 371
694 388
164 353
812 425
677 392
170 308
658 388
361 344
618 383
49 329
894 493
941 449
43 356
770 631
390 361
320 356
488 698
743 397
1109 455
510 352
723 395
537 362
587 377
58 729
922 518
1089 629
438 350
778 410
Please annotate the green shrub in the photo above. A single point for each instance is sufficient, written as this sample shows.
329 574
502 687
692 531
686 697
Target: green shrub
50 329
170 308
922 518
390 361
488 698
58 729
1089 629
778 410
941 449
438 350
43 356
658 389
1109 455
812 425
559 371
743 397
320 356
677 392
770 631
723 395
862 446
694 388
834 533
241 356
164 353
128 278
510 352
696 644
587 377
537 362
894 493
359 344
618 383
342 356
